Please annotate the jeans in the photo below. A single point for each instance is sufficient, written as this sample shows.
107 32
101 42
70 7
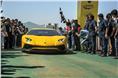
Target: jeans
69 42
77 43
92 39
93 43
116 45
73 42
104 44
112 39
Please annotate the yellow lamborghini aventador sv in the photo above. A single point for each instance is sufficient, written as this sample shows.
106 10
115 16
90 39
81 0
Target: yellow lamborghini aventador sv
44 39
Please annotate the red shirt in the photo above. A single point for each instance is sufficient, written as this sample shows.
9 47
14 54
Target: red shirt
67 28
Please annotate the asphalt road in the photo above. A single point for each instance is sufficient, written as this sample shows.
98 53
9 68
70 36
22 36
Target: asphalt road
16 64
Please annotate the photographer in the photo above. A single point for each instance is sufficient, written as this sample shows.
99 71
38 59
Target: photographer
19 32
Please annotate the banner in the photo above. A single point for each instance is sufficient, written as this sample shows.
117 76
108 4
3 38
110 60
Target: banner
84 8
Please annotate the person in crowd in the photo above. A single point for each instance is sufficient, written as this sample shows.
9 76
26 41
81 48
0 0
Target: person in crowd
101 33
16 32
72 36
8 38
13 33
26 30
114 14
76 31
92 34
61 31
86 22
110 32
69 33
86 28
23 29
19 33
116 42
2 32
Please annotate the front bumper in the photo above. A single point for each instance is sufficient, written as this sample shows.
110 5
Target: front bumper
28 47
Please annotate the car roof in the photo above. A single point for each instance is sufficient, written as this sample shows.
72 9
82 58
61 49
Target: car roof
42 29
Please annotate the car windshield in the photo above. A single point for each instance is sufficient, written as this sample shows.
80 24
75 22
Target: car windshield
43 32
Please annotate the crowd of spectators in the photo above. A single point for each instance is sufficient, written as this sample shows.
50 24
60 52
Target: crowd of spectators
11 33
106 30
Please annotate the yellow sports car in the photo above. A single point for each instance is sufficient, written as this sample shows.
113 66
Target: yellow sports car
44 39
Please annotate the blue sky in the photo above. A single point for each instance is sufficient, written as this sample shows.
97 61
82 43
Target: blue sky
43 12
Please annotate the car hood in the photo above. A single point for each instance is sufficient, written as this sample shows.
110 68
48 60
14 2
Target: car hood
44 40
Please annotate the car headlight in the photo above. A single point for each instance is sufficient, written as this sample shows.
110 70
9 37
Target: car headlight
28 40
61 40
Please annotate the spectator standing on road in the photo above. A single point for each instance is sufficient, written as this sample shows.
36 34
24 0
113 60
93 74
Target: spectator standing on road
86 23
2 32
72 36
114 14
20 33
116 41
76 31
110 32
15 23
92 34
8 38
101 33
69 33
13 33
86 28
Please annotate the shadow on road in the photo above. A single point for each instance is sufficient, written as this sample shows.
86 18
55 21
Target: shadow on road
51 53
6 55
8 71
11 54
14 77
28 67
68 52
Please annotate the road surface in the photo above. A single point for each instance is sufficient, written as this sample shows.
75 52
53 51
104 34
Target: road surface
16 64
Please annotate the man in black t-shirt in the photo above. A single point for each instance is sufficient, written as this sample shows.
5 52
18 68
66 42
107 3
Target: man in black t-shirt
114 14
110 32
8 38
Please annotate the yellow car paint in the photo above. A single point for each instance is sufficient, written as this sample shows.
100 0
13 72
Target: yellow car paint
44 41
